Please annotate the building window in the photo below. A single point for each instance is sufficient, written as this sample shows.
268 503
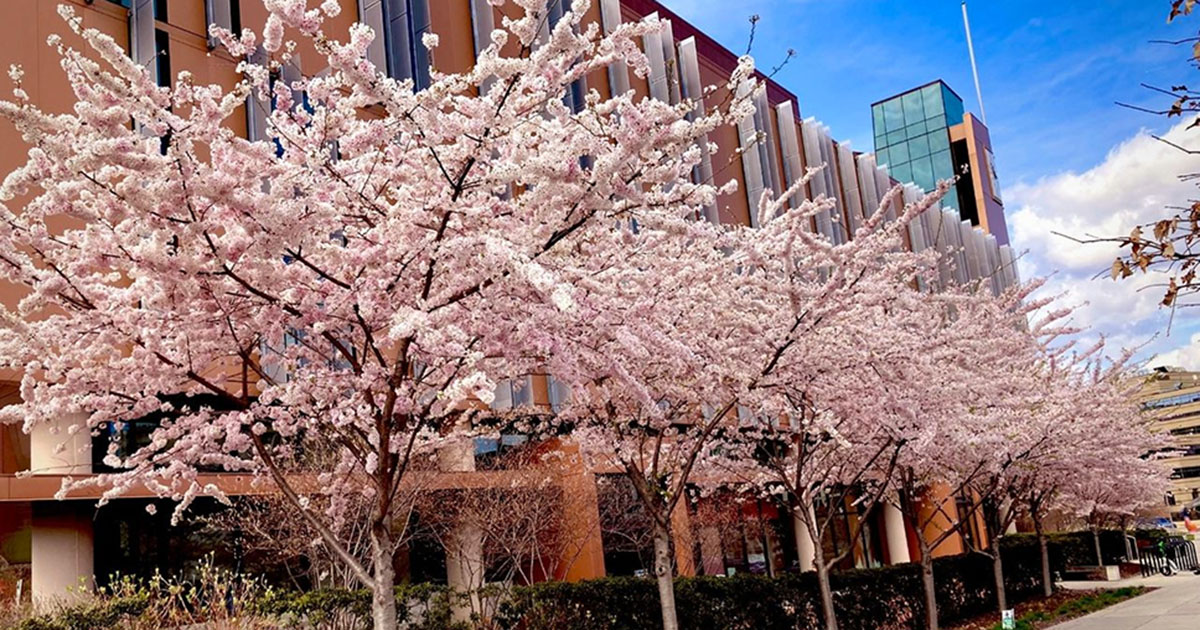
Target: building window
491 453
162 71
399 26
162 57
993 180
625 527
1180 399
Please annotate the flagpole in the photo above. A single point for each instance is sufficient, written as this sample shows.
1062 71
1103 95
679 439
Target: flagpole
974 68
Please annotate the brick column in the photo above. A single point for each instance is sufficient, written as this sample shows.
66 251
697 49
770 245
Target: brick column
681 532
583 553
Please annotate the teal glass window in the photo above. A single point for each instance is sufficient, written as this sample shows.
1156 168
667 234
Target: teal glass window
918 147
953 106
922 173
943 165
912 137
939 141
893 115
913 110
931 96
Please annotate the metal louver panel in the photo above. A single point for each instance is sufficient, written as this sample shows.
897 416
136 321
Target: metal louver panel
751 163
672 63
141 36
793 166
483 22
851 195
618 74
653 45
692 89
767 158
257 108
866 180
399 40
217 12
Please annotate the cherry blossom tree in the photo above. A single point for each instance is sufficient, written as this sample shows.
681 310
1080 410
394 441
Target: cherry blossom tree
653 383
961 447
1097 429
826 425
361 278
1027 426
1119 485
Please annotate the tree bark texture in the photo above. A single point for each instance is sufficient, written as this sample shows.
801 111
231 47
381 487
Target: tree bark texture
664 575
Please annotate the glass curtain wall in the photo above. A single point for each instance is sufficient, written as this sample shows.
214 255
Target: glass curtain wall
912 136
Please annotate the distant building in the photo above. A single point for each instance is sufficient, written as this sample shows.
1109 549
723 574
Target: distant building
1172 397
925 135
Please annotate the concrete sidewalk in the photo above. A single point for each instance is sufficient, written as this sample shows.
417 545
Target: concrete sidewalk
1174 606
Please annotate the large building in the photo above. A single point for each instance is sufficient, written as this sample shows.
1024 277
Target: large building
49 544
1171 396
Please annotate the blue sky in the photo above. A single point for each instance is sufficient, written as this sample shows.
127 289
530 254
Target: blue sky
1068 158
1050 72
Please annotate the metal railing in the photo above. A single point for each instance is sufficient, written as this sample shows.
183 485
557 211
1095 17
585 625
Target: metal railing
1179 551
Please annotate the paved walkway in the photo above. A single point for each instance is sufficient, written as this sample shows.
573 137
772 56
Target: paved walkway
1174 606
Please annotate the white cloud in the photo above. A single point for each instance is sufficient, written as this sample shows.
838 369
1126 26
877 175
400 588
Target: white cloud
1134 183
1186 355
1131 186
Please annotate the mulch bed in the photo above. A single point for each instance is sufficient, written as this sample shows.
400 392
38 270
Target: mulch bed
1045 605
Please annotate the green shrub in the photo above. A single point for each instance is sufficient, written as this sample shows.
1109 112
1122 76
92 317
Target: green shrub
887 598
1074 549
100 614
420 606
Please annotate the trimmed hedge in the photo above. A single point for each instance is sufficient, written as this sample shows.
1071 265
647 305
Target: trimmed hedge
1076 549
418 606
887 598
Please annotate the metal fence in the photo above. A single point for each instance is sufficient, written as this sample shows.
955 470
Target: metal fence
1175 550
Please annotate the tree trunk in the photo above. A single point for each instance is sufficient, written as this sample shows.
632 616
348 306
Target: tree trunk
927 585
827 609
383 589
993 517
1044 552
998 576
664 575
1096 541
